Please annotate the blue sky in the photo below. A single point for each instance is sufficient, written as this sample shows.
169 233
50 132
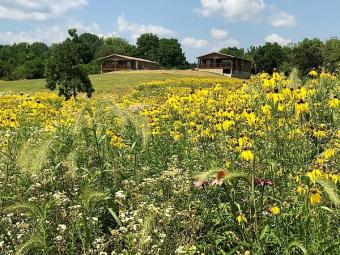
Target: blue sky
200 25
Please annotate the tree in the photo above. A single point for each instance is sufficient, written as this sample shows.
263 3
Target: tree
116 45
36 60
268 57
64 68
331 54
147 46
234 51
89 44
23 60
171 54
308 54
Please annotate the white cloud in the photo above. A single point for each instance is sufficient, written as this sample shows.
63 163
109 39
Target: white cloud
217 45
51 34
278 39
190 42
38 10
222 39
219 39
282 19
219 34
233 10
44 34
135 29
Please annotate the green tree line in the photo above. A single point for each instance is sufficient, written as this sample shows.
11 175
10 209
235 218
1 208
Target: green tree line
29 61
304 55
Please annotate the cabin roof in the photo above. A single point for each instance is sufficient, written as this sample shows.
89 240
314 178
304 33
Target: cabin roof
223 55
128 58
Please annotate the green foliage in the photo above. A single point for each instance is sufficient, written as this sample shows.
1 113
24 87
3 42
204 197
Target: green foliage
330 190
23 61
234 51
64 69
268 57
170 54
116 45
88 46
307 55
331 52
167 52
148 46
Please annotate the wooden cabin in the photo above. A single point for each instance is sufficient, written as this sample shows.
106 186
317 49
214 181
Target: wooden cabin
224 64
116 62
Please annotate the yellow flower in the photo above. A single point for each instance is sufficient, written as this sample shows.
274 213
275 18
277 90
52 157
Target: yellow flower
264 76
315 196
241 218
319 134
275 210
329 153
277 76
266 109
334 103
247 155
313 73
301 189
301 107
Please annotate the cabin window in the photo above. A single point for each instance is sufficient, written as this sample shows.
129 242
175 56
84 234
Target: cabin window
226 71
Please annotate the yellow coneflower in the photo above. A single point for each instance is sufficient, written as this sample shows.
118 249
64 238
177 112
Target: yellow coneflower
266 109
241 218
247 155
328 153
300 107
275 210
334 103
301 189
319 134
296 178
276 76
313 73
315 196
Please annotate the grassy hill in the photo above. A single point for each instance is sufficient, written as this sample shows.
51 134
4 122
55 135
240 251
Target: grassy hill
108 81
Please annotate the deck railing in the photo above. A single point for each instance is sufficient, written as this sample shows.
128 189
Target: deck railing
214 66
115 67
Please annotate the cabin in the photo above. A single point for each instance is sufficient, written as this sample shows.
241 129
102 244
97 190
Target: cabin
116 62
224 64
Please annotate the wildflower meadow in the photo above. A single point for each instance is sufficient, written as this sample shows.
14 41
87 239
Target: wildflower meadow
181 166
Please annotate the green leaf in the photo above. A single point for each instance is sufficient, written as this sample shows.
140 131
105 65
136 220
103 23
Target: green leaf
264 232
298 245
327 209
115 217
35 243
331 247
330 189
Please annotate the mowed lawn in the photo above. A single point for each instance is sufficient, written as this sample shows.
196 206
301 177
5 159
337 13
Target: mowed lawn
107 82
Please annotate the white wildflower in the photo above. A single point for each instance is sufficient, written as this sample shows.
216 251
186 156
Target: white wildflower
120 194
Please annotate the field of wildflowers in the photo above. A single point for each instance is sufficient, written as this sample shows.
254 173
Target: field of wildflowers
182 166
